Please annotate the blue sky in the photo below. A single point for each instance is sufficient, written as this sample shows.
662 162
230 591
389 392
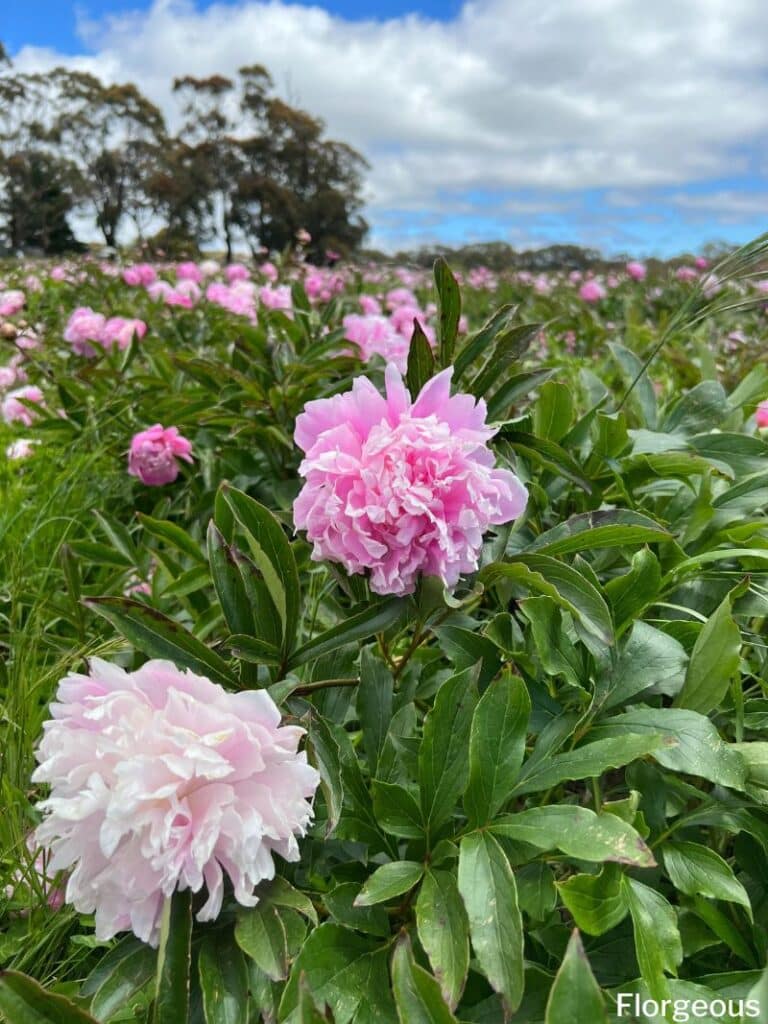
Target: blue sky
626 127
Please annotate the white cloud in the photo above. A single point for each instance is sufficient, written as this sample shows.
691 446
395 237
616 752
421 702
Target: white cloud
511 95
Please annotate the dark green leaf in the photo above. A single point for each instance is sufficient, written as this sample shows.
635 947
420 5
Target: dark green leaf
223 980
174 955
421 361
575 997
496 746
714 661
417 994
444 750
368 622
157 636
388 881
448 311
487 886
596 902
444 932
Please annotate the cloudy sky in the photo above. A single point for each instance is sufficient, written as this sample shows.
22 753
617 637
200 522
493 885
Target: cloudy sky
625 125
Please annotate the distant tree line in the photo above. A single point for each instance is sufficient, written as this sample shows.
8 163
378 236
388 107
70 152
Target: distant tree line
244 167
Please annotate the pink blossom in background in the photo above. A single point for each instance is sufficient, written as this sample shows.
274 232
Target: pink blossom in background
84 326
761 414
592 291
269 270
162 780
33 283
276 298
59 274
637 271
238 298
209 267
376 335
11 302
120 331
140 275
12 410
701 262
189 289
370 305
303 237
686 274
189 272
20 449
153 455
400 297
236 272
401 488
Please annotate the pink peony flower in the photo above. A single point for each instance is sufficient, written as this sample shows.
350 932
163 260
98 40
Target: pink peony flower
761 414
140 274
686 274
236 272
189 272
13 411
269 270
153 454
276 298
161 780
370 305
83 326
119 330
591 291
376 335
701 262
400 487
11 302
636 271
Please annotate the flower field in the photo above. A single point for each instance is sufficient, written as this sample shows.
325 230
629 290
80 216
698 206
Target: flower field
383 645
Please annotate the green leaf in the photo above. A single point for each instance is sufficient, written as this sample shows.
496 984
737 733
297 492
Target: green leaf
553 411
596 902
307 1008
157 636
280 893
174 955
346 971
517 386
417 994
648 658
496 746
444 750
536 893
397 810
24 1001
340 904
223 980
421 360
477 343
508 347
578 832
698 871
633 372
444 932
119 976
273 555
228 583
575 996
388 881
567 587
629 595
448 311
173 535
260 933
657 939
545 453
487 886
697 748
714 661
369 621
374 705
248 648
601 529
586 762
323 752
